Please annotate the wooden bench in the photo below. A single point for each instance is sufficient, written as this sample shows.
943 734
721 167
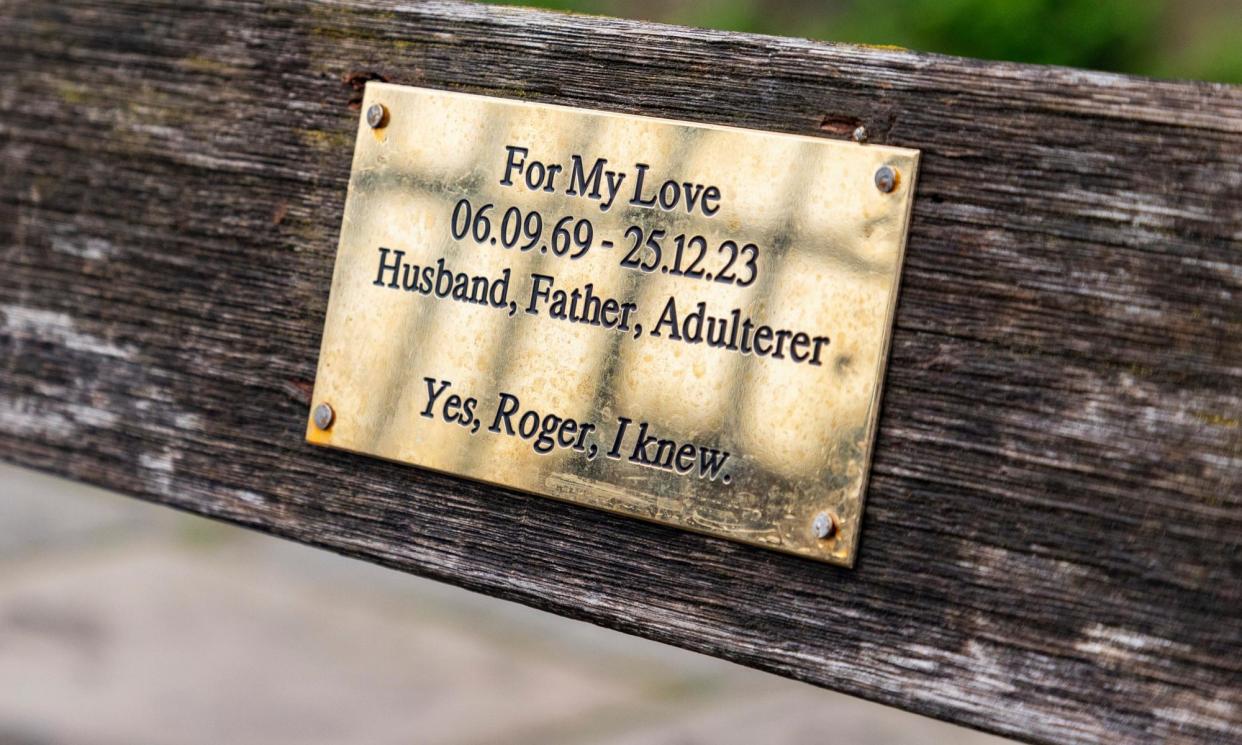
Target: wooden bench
1050 547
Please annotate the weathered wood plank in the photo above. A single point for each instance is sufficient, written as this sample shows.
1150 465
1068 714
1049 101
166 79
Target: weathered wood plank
1051 543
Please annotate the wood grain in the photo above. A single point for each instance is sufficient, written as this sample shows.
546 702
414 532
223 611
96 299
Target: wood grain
1051 543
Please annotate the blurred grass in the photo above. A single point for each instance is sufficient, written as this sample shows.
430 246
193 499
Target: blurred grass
1197 39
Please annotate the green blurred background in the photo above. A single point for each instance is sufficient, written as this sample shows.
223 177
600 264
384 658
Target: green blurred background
1199 39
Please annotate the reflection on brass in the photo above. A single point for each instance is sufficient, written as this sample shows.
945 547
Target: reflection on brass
679 322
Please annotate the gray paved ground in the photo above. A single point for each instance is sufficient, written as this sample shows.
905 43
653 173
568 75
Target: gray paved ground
122 622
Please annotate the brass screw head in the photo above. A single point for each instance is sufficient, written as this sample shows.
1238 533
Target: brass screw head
824 525
886 179
324 416
377 116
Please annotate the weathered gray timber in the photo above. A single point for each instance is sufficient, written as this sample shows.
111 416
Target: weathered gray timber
1051 542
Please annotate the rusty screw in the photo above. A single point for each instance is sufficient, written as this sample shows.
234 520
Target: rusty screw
886 179
377 116
324 416
824 525
860 134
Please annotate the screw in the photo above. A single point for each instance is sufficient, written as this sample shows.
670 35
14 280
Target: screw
377 116
324 416
860 134
824 525
886 179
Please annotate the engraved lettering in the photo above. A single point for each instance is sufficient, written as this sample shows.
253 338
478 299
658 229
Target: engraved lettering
517 156
432 394
579 305
665 454
736 333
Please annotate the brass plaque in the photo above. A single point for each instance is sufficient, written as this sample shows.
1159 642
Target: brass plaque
680 322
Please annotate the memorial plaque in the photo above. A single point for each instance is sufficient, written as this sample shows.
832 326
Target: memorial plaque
679 322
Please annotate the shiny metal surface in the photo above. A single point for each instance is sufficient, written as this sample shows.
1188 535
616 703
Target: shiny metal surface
445 349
